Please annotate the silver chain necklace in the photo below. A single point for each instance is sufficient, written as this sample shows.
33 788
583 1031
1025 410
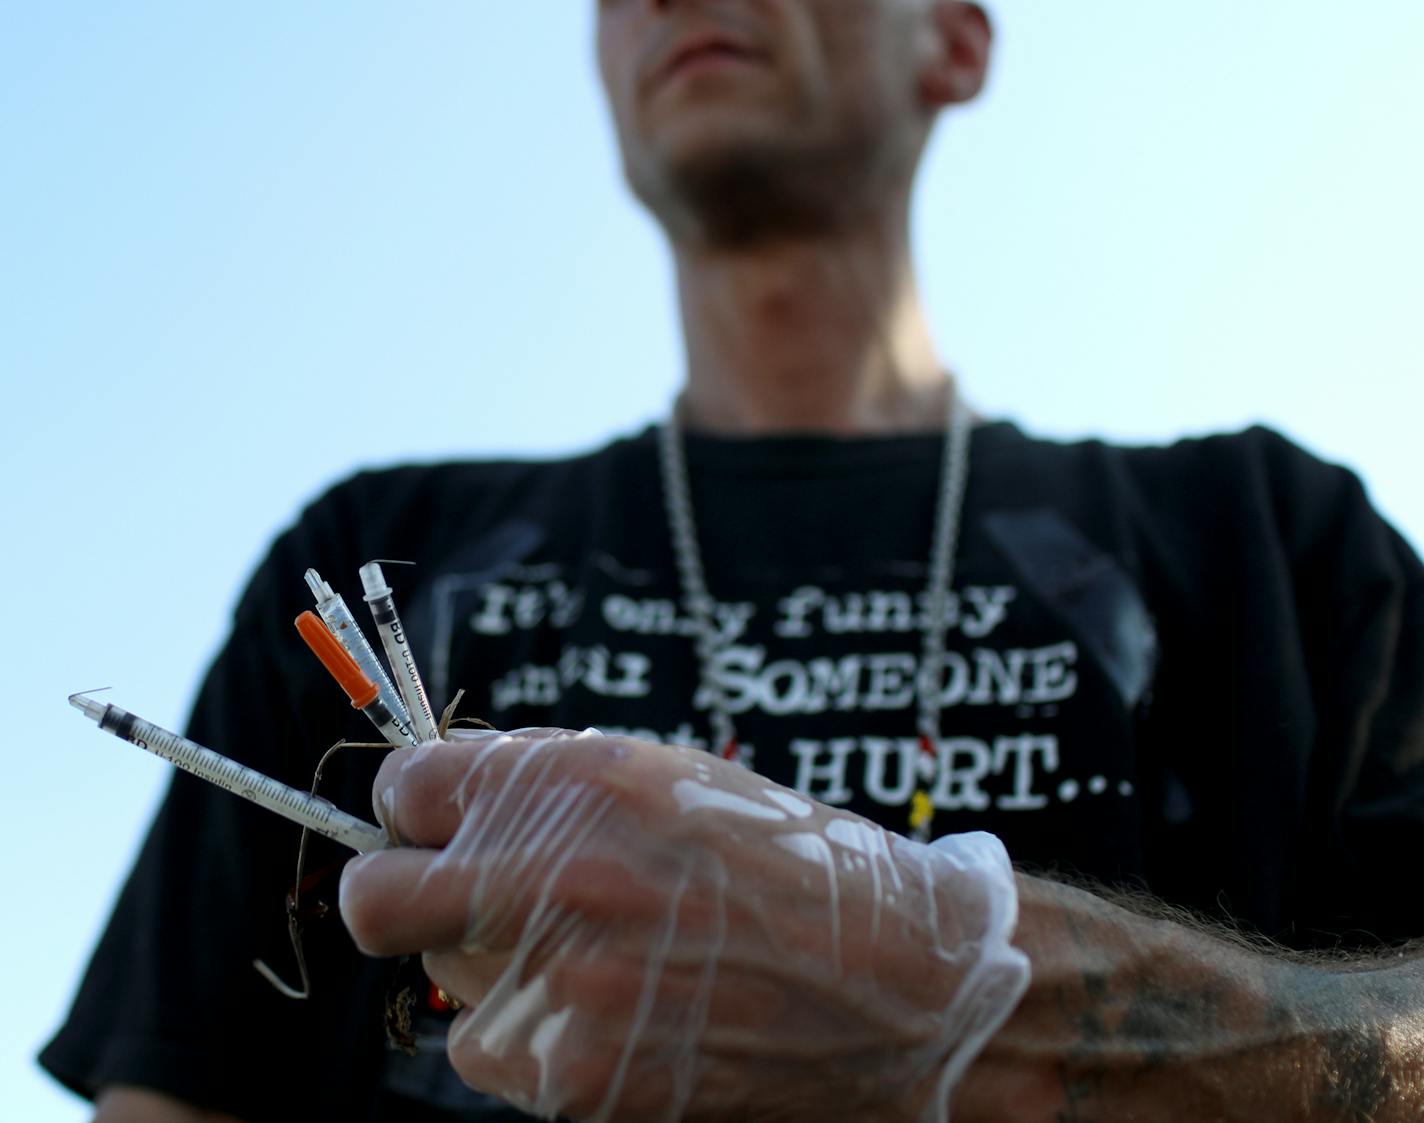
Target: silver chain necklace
710 640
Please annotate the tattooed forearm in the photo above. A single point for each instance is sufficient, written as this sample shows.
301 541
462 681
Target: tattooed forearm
1159 1017
1370 1013
1357 1079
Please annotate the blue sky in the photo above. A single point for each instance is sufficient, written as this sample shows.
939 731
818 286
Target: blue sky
245 249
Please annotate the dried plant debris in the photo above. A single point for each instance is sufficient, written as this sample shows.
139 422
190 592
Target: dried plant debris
303 907
401 996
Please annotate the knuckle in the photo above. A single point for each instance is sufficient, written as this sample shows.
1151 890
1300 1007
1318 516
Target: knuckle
604 990
584 1079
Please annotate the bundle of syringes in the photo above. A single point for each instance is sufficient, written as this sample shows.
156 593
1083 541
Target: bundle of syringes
396 703
401 712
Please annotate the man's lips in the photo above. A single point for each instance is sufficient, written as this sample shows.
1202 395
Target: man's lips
706 50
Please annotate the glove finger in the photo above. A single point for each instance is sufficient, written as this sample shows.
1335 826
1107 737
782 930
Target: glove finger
463 975
398 902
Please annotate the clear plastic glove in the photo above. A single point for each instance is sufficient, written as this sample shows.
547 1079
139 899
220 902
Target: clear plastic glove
645 932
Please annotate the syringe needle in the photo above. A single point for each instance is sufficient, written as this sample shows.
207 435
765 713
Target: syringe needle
89 707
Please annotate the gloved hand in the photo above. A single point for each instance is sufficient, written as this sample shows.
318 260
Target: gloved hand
645 932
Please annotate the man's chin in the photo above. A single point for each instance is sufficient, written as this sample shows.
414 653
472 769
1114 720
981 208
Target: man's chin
721 131
742 191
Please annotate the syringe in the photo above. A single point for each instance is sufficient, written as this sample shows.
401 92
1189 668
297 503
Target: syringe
364 694
337 617
301 807
398 652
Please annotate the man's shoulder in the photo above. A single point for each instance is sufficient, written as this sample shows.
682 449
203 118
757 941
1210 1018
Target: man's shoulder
1256 456
1255 446
1256 468
477 479
1253 485
419 511
1257 442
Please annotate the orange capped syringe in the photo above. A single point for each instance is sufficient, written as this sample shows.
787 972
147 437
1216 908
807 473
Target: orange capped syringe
364 694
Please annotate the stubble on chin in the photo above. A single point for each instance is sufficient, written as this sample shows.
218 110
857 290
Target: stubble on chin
738 197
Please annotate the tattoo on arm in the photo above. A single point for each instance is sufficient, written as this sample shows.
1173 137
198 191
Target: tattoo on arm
1216 1021
1357 1075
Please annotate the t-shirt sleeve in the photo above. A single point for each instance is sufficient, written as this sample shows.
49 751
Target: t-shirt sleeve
1359 594
170 1000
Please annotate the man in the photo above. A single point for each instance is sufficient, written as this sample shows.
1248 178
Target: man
1191 670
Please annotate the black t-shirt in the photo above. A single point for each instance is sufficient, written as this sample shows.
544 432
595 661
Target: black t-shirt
1194 670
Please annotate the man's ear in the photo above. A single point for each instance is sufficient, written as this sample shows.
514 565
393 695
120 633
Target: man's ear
956 69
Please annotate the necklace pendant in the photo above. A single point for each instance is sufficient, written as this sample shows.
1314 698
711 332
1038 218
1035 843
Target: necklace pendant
731 750
921 816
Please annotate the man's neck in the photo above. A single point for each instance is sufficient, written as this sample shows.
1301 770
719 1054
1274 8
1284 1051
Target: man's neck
808 337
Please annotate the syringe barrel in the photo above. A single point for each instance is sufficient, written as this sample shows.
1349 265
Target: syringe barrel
398 652
339 621
291 803
392 728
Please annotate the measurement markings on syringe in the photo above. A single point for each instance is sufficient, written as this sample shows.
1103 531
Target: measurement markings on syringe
299 806
241 780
